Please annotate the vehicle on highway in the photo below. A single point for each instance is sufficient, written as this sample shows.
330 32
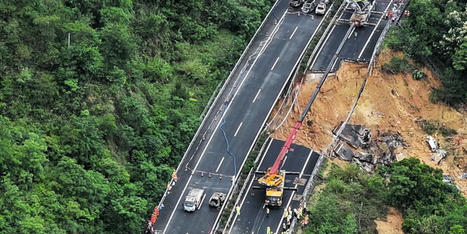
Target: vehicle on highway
194 199
296 3
217 199
274 193
321 8
308 7
362 11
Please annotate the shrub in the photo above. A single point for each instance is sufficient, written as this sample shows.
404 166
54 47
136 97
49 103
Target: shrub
418 74
432 126
429 126
397 65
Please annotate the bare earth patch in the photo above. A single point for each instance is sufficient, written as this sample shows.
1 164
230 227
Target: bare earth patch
388 103
392 224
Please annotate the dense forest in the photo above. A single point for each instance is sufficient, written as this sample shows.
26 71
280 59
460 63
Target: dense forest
435 34
99 100
352 200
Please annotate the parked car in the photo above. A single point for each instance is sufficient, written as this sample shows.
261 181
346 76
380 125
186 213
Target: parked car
321 8
217 199
296 3
308 7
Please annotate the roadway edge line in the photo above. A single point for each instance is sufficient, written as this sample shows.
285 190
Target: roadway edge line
226 82
212 135
269 113
249 186
377 25
325 33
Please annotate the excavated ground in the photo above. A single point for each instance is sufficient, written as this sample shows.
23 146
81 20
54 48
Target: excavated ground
388 103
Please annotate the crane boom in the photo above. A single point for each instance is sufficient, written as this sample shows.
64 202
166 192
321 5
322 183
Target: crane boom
272 177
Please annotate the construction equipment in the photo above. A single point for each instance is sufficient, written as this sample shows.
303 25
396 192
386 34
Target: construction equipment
194 199
274 193
362 11
273 179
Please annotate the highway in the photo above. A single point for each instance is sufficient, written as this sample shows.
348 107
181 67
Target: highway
359 46
225 138
253 218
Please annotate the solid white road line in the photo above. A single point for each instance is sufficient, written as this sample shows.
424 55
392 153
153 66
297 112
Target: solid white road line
209 141
238 129
371 35
293 33
351 32
202 200
219 166
306 162
249 186
264 156
282 217
257 135
256 96
334 64
277 59
322 46
293 192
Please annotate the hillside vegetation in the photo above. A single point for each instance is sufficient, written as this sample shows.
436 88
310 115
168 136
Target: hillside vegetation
352 200
99 100
436 34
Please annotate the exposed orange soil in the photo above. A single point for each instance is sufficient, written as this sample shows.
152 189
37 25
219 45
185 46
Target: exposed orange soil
388 103
392 224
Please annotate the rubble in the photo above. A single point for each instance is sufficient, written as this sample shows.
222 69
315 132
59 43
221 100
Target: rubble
344 152
448 179
439 156
355 135
381 150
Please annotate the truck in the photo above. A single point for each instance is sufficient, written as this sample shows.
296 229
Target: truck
274 193
362 11
194 199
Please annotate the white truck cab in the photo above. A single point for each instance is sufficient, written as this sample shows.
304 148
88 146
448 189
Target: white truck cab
194 199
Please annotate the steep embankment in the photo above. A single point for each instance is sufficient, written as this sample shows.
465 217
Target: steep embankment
388 103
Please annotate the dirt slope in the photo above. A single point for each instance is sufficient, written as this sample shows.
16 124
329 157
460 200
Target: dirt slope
389 103
392 224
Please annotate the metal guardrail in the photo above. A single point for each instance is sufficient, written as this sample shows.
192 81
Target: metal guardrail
245 184
219 94
321 40
325 152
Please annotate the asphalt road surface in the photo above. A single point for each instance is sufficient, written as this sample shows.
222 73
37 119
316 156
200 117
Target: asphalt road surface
253 217
236 124
360 44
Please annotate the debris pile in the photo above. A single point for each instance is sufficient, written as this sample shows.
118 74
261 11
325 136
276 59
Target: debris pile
369 152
